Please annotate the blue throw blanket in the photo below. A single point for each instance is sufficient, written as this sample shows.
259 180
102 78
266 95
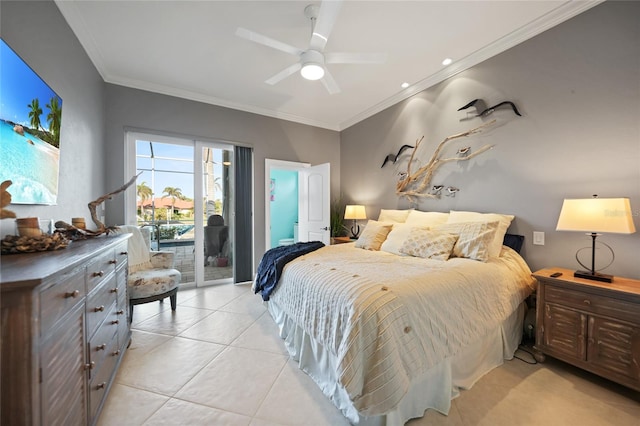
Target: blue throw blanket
273 262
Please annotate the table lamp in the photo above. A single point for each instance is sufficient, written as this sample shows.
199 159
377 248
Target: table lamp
354 212
594 215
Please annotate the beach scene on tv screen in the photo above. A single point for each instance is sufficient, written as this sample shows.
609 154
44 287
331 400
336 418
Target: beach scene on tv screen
30 116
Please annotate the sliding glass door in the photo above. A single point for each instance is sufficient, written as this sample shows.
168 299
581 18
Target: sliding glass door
217 215
184 201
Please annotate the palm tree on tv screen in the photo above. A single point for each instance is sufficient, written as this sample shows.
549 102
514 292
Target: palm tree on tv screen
53 118
35 113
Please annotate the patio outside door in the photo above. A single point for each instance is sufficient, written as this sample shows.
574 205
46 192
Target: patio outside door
184 199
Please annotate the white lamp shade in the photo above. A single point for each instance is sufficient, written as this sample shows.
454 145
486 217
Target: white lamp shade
355 212
610 215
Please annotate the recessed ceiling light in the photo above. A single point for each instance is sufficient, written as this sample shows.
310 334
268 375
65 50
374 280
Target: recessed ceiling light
447 61
404 85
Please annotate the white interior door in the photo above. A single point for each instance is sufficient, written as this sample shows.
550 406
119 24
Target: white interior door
314 194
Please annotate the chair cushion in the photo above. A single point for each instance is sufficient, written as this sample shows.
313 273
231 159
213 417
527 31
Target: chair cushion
152 282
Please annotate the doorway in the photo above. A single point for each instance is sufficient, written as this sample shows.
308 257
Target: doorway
297 198
184 200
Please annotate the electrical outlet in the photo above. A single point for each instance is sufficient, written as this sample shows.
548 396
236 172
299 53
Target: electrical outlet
538 238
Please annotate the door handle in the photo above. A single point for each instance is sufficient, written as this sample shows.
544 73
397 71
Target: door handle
326 228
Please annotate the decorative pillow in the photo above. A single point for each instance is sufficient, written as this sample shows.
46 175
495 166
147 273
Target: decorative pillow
396 237
373 235
503 220
513 241
429 244
393 216
426 219
474 238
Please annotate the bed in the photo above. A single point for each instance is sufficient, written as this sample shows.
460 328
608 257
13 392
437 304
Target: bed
387 335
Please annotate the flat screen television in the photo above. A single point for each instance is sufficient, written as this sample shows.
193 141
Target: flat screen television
30 118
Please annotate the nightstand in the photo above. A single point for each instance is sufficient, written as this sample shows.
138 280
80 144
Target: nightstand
590 324
341 240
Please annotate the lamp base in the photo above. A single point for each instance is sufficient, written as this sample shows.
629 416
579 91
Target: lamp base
595 276
355 231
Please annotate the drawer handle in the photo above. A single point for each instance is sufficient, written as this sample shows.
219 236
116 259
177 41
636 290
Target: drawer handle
120 312
113 290
89 366
101 385
116 353
587 302
123 253
99 308
114 322
113 262
72 294
101 347
98 274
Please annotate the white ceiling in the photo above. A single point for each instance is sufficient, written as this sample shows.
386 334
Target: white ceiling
189 49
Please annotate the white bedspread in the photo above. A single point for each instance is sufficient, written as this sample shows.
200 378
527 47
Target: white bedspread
388 318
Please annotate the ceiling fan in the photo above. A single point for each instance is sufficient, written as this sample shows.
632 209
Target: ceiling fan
312 61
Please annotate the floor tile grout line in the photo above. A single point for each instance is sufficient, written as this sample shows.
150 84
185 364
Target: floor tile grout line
264 398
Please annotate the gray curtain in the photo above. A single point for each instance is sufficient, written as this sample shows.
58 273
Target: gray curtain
243 238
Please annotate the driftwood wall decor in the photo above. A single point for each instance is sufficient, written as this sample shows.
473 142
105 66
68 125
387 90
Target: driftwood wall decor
417 184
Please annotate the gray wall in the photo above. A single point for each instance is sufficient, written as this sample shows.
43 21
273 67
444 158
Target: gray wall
578 88
40 35
269 137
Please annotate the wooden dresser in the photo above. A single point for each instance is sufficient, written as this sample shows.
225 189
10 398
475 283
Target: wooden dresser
590 324
64 331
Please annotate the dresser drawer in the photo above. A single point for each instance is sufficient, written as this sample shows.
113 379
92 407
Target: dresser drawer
101 381
100 268
593 303
100 302
59 299
101 340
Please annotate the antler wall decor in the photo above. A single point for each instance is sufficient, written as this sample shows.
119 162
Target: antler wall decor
417 184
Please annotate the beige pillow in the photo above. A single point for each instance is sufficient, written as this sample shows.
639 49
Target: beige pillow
474 238
396 237
393 216
504 220
373 235
426 219
429 244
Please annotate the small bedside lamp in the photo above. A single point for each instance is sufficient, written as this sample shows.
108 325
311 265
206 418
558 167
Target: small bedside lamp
354 212
593 215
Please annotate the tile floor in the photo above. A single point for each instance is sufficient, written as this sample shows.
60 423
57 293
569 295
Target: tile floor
218 360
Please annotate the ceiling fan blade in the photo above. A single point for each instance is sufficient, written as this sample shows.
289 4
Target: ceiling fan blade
324 24
267 41
355 58
329 83
284 74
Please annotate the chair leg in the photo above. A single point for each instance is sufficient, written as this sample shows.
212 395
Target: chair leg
174 301
130 312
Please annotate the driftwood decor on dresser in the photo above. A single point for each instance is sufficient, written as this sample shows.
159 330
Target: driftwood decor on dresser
417 183
76 233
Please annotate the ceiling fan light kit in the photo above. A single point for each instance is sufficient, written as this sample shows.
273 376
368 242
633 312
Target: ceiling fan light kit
312 62
312 65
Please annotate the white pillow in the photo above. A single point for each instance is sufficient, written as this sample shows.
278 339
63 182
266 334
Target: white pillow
504 220
396 237
426 219
373 235
393 216
474 238
429 244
